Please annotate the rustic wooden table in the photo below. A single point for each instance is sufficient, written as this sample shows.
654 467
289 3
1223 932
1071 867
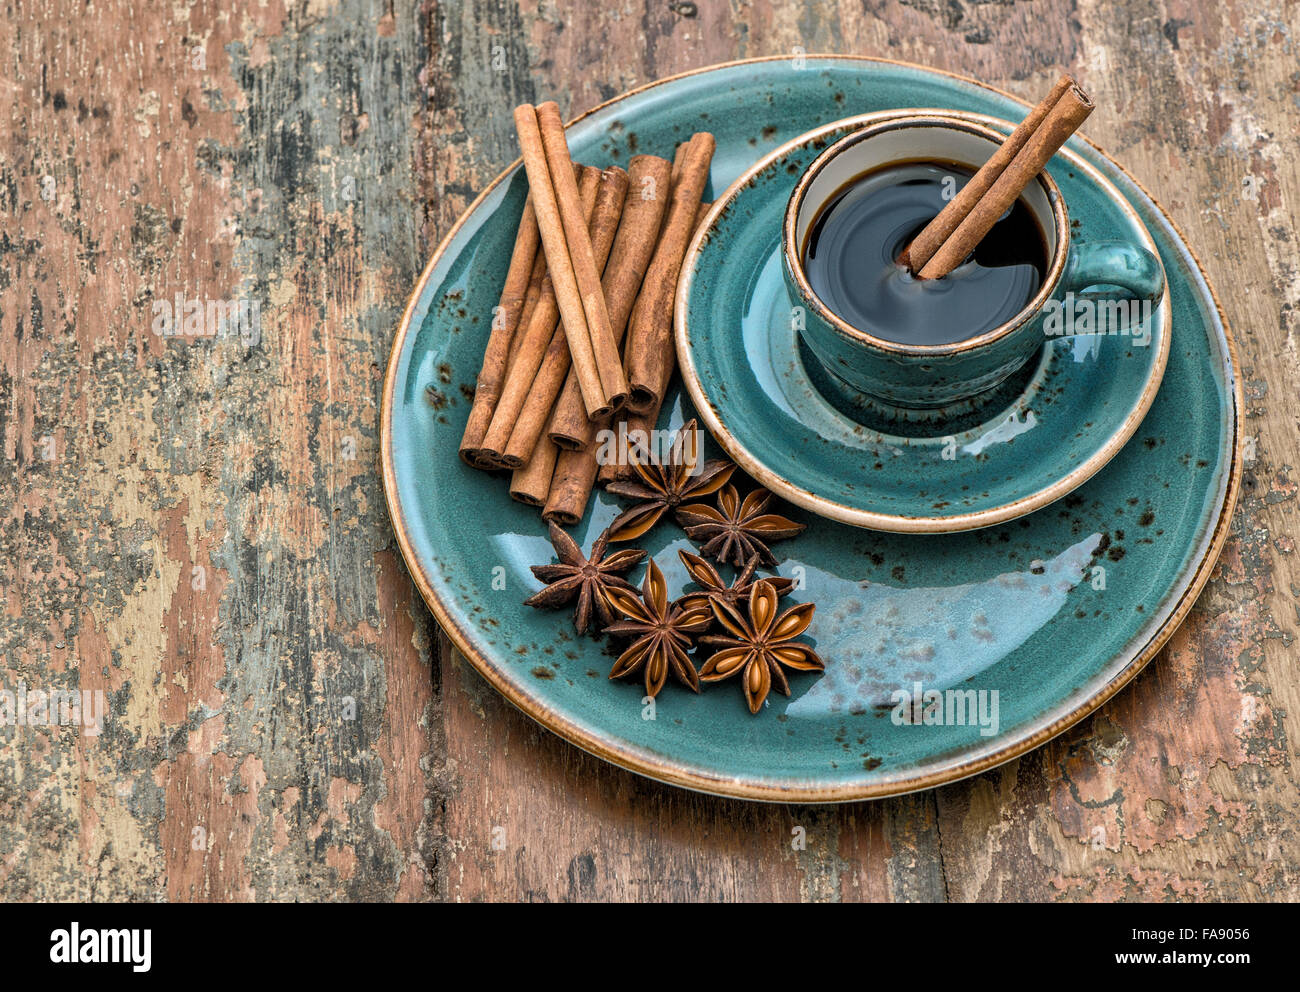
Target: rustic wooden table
195 525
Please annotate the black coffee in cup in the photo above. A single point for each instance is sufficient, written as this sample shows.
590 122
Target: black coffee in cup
851 248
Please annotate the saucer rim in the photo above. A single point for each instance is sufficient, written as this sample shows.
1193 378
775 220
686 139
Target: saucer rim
870 519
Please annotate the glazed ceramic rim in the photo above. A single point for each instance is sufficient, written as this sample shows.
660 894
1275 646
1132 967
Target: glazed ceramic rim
654 766
870 519
956 121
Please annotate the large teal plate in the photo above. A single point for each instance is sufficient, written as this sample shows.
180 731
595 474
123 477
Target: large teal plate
1055 612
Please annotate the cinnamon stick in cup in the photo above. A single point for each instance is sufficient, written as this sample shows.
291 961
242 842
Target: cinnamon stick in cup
932 237
506 319
613 382
649 340
532 345
551 185
1061 121
649 188
556 364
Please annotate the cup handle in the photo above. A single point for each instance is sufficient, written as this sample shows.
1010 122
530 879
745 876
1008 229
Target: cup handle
1115 263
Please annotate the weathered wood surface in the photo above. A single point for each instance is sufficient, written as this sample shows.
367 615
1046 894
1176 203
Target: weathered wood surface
196 526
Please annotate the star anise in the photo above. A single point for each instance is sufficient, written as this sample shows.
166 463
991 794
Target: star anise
664 485
758 645
712 587
590 580
741 530
663 634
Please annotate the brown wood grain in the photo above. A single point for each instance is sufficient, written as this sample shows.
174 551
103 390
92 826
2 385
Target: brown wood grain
196 526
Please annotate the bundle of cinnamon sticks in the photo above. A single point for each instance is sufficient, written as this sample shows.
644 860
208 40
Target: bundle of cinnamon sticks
581 341
948 239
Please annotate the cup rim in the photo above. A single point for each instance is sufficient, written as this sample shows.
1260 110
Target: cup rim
791 253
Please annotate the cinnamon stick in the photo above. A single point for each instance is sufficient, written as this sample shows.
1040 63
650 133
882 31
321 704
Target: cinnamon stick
532 347
535 283
644 422
649 185
679 156
648 420
532 482
649 340
925 244
1061 121
571 483
613 382
549 188
557 362
506 319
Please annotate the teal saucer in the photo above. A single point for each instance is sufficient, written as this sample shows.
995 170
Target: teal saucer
811 438
1047 616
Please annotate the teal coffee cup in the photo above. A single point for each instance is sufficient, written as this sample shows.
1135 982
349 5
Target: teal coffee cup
1080 280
